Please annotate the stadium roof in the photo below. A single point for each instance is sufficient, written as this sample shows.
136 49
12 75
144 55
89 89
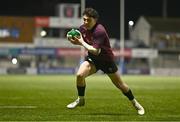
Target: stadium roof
164 24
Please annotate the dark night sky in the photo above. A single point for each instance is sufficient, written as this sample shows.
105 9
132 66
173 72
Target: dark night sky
109 11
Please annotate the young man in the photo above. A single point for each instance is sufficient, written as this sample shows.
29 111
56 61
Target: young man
95 40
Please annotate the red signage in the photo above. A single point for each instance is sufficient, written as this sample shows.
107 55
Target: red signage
42 21
125 53
70 52
77 52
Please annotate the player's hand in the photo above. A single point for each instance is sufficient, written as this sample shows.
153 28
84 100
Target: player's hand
73 40
79 39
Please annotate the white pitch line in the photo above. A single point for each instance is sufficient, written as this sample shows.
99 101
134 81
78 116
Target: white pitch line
17 106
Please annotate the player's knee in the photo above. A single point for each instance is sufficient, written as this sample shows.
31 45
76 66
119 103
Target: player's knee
79 76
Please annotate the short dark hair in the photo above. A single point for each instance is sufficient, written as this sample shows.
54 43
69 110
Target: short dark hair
90 12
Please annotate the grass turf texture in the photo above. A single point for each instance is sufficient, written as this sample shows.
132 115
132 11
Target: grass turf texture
44 98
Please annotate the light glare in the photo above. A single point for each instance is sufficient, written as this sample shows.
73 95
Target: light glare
14 61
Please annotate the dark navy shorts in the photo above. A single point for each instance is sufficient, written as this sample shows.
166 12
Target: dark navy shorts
106 66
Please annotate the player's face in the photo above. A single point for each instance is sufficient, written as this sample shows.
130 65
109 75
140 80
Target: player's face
89 22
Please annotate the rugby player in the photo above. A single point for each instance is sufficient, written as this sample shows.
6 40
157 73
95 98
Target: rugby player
95 40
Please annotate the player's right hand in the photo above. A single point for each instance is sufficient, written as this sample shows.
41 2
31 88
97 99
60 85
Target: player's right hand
73 40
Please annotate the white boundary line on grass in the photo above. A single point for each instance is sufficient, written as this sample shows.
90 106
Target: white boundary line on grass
17 106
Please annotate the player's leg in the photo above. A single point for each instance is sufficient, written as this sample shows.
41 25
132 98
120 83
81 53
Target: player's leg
85 70
117 81
115 78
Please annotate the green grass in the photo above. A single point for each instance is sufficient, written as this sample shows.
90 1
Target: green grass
50 94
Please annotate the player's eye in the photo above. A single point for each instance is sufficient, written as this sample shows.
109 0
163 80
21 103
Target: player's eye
86 20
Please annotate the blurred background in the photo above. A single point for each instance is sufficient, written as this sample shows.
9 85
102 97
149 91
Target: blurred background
144 35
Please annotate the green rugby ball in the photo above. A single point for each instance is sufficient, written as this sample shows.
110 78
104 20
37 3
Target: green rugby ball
73 33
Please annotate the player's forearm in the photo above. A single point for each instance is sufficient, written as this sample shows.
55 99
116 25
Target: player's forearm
91 49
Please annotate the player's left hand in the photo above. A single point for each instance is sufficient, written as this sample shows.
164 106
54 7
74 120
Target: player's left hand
79 39
75 41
